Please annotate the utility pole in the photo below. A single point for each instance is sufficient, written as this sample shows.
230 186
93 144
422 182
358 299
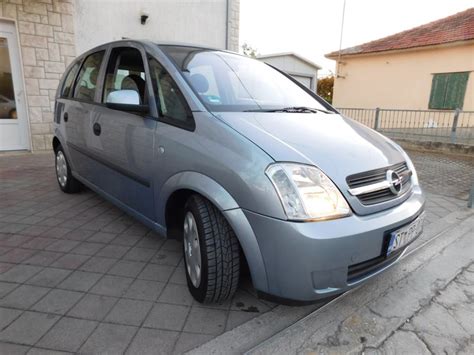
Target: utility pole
340 40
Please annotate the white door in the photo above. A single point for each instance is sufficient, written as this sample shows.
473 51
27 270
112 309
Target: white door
13 117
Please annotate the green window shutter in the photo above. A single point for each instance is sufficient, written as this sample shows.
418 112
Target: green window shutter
438 91
448 90
455 90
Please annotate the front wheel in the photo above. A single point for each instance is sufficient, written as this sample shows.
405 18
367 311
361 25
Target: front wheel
66 181
211 252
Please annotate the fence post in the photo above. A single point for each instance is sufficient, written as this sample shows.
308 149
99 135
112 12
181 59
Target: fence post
455 125
376 122
470 202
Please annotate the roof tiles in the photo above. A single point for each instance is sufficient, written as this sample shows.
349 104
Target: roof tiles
458 27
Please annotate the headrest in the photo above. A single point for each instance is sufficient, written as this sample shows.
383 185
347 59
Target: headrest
93 76
199 82
129 84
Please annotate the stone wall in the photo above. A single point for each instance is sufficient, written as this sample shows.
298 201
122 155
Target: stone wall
46 34
234 25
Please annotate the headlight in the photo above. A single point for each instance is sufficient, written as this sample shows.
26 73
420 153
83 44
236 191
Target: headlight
306 192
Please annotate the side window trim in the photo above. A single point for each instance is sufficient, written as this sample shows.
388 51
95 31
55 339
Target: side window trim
98 84
77 65
189 125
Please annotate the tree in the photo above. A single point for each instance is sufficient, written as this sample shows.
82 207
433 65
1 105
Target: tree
249 51
326 87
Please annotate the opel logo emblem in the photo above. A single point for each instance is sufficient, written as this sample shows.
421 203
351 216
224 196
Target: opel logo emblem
394 181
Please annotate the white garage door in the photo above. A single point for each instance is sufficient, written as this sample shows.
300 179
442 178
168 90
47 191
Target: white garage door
306 81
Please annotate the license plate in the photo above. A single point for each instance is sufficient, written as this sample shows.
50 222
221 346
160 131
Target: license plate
405 235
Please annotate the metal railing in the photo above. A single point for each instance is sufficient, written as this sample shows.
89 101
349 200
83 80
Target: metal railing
418 125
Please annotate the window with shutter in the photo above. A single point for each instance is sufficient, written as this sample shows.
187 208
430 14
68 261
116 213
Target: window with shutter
448 90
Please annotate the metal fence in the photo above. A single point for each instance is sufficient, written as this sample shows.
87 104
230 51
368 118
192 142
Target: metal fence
418 125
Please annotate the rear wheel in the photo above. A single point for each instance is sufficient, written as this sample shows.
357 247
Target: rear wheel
211 252
66 181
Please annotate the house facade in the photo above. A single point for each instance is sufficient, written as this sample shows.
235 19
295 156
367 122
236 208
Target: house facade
427 67
39 38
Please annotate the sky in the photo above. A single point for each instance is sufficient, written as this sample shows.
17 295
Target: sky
312 28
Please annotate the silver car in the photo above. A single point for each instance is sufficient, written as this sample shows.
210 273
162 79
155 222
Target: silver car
239 161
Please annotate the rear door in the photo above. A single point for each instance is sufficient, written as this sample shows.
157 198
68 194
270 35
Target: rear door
123 136
76 114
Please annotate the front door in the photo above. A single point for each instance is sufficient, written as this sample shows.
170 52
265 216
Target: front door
122 140
13 118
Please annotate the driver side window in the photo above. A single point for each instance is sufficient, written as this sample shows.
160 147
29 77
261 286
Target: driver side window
125 80
170 101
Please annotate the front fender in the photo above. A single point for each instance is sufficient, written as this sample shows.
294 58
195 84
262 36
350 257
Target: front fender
218 196
199 183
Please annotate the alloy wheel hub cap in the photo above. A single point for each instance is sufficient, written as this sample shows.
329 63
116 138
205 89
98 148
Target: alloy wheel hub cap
192 250
61 168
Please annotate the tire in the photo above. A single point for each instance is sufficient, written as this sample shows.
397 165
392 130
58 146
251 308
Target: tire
219 252
66 181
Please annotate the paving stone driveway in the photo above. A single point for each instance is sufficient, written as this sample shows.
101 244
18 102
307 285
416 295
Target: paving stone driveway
78 275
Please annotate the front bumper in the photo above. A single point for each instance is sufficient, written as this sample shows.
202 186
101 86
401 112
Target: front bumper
314 260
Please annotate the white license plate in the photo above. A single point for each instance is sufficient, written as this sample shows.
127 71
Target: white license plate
405 235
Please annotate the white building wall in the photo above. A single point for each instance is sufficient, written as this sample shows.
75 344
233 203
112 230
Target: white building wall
202 22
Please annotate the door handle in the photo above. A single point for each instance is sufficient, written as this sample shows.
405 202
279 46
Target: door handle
65 117
97 129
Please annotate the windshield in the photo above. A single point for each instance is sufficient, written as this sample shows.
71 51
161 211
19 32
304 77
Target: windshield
230 82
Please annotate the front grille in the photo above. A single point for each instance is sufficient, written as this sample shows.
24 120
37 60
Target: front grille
366 268
378 175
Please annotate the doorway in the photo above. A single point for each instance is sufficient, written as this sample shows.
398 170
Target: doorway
14 134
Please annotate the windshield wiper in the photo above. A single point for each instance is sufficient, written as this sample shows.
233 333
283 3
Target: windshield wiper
291 109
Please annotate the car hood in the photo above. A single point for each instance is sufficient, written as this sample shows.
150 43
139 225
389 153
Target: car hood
336 144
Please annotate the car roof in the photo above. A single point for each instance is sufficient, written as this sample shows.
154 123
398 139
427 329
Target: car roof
153 43
149 43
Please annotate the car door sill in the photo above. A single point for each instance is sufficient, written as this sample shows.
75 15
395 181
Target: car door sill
142 218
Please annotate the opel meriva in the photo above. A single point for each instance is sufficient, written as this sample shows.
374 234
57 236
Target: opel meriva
241 162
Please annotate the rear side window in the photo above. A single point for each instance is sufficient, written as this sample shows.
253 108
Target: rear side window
69 81
125 71
170 101
87 79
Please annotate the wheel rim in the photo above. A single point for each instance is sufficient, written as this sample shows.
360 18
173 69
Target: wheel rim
192 249
61 168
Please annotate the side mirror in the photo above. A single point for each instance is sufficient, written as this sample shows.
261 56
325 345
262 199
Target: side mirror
127 97
125 100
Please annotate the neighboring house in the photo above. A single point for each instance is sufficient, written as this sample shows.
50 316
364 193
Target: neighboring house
39 38
300 68
427 67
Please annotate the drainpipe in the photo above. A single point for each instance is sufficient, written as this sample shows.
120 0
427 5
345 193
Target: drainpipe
227 7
